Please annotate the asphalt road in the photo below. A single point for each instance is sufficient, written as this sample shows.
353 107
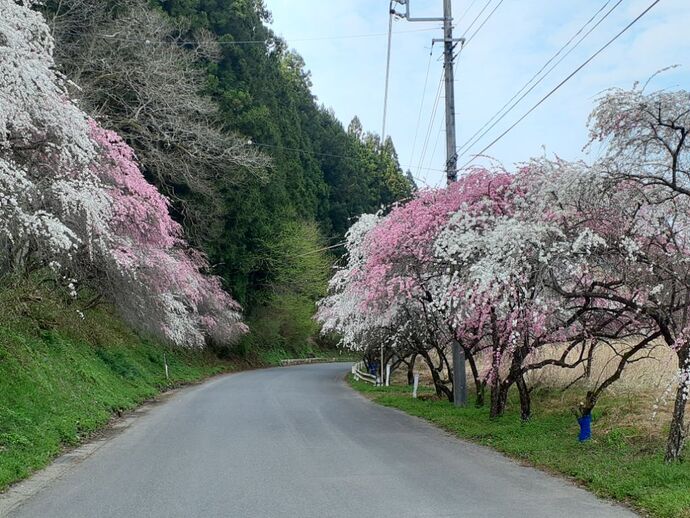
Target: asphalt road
297 442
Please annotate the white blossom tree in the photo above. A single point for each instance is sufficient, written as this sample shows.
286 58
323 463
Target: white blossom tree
74 202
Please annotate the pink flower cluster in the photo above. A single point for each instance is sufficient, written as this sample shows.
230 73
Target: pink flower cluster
401 247
157 280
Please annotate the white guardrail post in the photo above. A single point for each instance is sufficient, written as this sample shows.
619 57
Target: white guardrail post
360 373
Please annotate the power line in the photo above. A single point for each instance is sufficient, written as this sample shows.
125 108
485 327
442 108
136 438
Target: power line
316 153
482 24
559 85
421 105
472 140
462 16
477 136
432 122
476 18
267 40
438 139
467 41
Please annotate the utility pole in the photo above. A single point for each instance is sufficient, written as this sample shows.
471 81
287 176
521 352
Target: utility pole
448 49
449 43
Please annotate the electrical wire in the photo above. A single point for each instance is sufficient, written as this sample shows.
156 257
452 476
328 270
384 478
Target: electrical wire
462 16
432 122
564 81
264 41
476 18
467 41
388 71
316 153
421 106
480 133
438 139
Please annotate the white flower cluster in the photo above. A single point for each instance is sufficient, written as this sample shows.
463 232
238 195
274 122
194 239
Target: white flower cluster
646 135
341 311
50 202
588 242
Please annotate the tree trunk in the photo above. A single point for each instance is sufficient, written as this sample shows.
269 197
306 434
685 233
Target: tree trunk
518 377
478 383
480 387
676 435
441 389
590 402
525 401
410 370
499 398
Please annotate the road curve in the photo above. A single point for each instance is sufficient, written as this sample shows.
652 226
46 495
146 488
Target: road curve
297 442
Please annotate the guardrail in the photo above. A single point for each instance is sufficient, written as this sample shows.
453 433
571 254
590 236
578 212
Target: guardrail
304 361
359 371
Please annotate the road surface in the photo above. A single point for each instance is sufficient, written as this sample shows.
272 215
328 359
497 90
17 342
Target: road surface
297 442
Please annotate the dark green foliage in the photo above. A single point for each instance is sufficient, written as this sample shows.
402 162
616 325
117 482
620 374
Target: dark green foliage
321 173
282 321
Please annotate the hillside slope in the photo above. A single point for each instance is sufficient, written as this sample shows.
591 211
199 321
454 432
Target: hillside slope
62 376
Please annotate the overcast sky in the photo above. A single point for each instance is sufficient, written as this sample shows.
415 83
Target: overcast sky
344 46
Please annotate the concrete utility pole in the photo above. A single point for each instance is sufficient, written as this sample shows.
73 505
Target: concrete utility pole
459 375
448 49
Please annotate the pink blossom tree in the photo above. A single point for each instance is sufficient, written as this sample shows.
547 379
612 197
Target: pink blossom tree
494 255
561 256
392 273
592 219
156 280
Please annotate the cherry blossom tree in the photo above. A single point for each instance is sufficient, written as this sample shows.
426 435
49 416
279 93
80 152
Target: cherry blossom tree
592 219
392 271
646 136
156 279
495 258
139 75
647 144
73 199
539 268
47 208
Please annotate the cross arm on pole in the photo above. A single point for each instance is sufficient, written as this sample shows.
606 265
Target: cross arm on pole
453 40
406 3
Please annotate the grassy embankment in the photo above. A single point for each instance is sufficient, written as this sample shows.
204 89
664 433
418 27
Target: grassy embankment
623 461
63 377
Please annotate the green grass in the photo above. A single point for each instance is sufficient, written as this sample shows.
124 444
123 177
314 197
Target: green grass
63 377
621 462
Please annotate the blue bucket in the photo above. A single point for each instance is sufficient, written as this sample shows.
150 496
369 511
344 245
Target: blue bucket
585 423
